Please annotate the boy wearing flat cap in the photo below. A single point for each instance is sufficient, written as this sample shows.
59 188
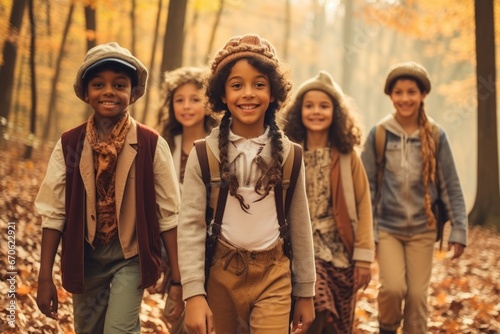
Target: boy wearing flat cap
111 195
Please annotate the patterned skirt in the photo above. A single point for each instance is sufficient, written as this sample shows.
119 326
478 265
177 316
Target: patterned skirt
335 295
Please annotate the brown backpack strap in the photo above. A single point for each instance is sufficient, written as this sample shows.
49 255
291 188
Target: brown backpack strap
291 167
216 196
201 151
380 143
297 161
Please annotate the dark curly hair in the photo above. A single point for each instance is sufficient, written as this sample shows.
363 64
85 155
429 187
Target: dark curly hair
344 133
280 87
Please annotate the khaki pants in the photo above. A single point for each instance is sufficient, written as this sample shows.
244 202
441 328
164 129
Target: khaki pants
250 292
405 271
111 301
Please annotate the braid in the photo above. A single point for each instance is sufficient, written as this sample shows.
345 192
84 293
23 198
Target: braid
227 176
271 175
428 150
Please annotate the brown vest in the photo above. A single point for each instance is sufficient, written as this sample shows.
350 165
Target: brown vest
148 231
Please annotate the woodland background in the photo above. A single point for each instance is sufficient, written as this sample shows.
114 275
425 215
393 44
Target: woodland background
355 40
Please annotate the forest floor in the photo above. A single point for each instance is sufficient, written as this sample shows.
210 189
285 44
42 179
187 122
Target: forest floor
464 293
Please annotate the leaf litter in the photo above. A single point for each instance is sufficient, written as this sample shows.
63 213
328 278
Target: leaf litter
464 295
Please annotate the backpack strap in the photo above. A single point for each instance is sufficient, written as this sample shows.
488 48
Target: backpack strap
291 170
201 151
216 194
380 144
347 184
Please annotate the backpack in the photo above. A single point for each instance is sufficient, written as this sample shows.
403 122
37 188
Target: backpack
217 195
438 207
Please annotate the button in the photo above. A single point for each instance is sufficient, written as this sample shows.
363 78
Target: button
253 256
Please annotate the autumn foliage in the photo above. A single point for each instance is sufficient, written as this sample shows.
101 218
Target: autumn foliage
464 294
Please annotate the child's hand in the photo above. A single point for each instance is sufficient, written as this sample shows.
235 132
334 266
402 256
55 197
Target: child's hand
362 277
199 317
303 314
174 306
46 298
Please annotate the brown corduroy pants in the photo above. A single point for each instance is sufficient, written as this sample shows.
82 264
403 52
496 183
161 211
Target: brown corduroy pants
250 291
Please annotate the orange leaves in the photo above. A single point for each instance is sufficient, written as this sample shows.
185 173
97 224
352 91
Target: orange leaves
463 296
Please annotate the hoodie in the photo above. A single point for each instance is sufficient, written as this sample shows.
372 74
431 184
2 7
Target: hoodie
400 208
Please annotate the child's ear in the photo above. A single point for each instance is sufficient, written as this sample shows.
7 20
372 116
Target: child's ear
272 99
223 98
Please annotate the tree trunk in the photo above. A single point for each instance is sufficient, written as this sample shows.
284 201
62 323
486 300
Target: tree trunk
29 143
288 24
9 59
49 30
486 210
214 31
91 29
173 43
49 124
90 25
133 46
348 40
152 64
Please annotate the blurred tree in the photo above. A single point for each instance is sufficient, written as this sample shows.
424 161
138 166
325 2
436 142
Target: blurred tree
214 31
29 143
90 24
152 63
173 43
91 37
133 28
49 129
10 49
288 23
486 210
348 36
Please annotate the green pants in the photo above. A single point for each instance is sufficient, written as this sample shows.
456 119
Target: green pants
111 301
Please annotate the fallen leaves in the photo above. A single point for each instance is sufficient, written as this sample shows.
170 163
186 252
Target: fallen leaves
463 297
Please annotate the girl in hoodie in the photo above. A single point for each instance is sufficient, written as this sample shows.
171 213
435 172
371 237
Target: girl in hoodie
403 195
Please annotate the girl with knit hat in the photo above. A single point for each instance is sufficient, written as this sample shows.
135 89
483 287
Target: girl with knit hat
251 281
339 200
182 119
403 182
182 116
111 195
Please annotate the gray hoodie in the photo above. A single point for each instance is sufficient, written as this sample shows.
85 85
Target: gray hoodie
400 209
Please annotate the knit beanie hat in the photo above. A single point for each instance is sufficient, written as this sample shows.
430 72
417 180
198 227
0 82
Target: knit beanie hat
244 46
411 69
183 75
323 82
111 52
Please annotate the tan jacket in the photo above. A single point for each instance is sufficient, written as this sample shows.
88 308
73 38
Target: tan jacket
50 201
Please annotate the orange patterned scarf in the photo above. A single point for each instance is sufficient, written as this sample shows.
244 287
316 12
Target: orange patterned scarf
105 157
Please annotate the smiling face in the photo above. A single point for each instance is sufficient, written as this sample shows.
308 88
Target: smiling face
407 98
317 111
187 105
109 93
247 96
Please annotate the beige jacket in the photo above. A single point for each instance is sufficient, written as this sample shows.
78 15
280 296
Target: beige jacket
50 201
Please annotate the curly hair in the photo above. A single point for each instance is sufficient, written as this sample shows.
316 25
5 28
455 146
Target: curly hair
280 87
344 133
428 149
169 125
